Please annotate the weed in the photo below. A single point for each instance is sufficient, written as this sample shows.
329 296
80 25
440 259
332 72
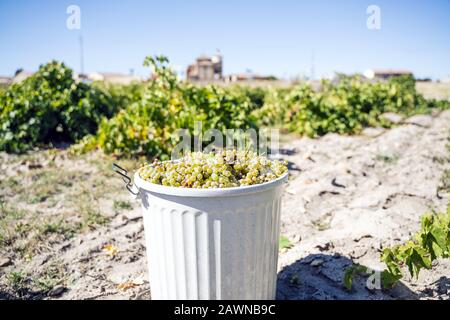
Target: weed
58 227
50 277
92 217
323 223
9 214
284 243
120 205
42 186
387 159
17 279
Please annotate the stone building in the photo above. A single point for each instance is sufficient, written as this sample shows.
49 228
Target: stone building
205 69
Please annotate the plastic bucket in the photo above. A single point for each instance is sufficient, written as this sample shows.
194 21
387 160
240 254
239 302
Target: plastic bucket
212 243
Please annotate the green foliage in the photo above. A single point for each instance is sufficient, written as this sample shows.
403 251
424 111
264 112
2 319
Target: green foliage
140 119
284 243
121 95
256 95
120 205
351 272
17 279
49 107
48 278
387 279
274 109
430 243
146 126
346 107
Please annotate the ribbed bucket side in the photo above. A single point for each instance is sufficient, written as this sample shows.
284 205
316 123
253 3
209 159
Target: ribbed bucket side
206 248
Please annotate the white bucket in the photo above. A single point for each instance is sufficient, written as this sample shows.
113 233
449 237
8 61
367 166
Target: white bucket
212 243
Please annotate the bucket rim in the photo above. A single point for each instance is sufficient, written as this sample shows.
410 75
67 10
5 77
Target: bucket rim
144 185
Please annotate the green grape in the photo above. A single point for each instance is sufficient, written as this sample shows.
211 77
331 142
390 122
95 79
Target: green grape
222 169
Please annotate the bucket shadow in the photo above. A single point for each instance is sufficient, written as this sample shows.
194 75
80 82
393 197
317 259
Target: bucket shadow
319 277
288 152
21 294
6 296
293 167
440 286
284 151
443 284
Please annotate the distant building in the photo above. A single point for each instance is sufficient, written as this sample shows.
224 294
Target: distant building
205 69
109 77
81 77
386 74
116 78
5 81
210 69
236 77
22 75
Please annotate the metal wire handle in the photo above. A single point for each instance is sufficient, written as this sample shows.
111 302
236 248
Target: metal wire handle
124 174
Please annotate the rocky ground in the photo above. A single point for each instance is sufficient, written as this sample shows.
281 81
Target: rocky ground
352 196
69 230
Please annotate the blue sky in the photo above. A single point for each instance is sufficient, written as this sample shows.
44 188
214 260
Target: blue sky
268 37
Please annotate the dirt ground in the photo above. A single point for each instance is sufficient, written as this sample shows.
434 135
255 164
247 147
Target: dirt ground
69 229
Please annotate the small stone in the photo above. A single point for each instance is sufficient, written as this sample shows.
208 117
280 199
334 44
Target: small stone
4 262
131 258
428 291
296 238
372 132
358 252
327 246
117 223
34 166
291 191
316 263
65 246
133 215
441 289
421 120
392 117
56 291
338 184
362 237
139 280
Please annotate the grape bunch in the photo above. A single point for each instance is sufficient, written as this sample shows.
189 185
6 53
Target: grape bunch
219 169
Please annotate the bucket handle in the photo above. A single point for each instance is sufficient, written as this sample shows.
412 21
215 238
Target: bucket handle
124 174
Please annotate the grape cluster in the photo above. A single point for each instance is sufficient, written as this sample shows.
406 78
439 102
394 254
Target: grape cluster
220 169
